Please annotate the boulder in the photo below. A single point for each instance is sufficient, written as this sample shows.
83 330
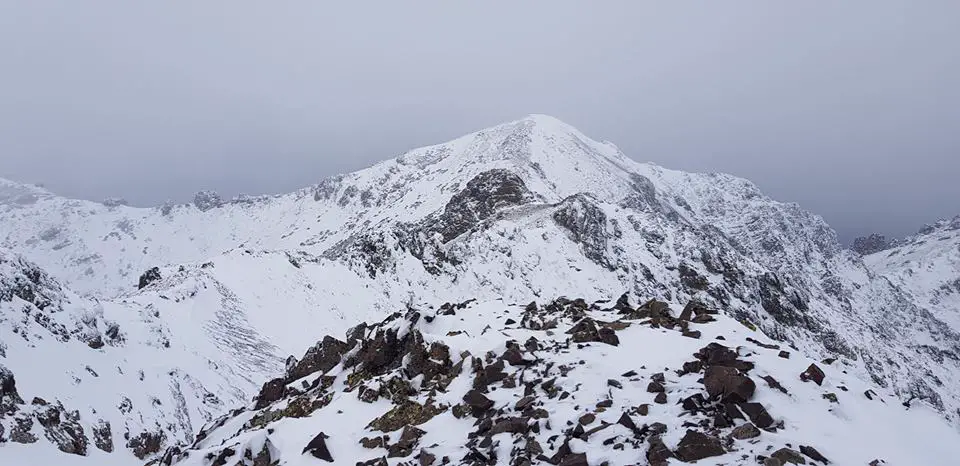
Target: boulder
320 358
658 453
148 277
270 392
478 401
727 384
757 414
697 445
813 373
318 448
745 431
787 455
813 454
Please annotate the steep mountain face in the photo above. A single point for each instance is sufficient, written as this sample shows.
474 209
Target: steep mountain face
927 267
525 210
117 379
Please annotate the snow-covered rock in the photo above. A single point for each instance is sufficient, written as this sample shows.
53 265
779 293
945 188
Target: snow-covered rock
570 383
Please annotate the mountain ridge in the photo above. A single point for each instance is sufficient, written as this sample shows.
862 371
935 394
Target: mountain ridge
568 215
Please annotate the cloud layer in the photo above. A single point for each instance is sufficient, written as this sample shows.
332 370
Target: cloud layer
851 109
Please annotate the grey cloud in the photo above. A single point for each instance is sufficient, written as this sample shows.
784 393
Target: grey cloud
851 109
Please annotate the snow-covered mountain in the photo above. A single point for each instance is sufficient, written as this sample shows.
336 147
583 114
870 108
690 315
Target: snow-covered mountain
927 266
527 210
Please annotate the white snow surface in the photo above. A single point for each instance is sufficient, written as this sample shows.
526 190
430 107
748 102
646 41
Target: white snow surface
249 282
854 431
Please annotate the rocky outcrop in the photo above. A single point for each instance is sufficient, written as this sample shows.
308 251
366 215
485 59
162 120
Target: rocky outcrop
510 405
207 200
151 275
871 244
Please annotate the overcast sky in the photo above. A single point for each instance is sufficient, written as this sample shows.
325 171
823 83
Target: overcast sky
851 109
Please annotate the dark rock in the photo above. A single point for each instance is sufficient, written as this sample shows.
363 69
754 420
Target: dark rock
745 431
812 373
727 384
771 461
784 354
524 402
865 245
870 394
661 398
407 413
318 448
655 387
643 409
608 336
658 453
687 311
813 454
8 391
478 401
515 357
614 383
625 421
426 458
716 354
658 428
757 414
146 443
831 397
321 358
587 419
407 442
731 411
692 367
484 195
787 455
605 404
763 345
720 421
693 402
692 334
514 425
697 445
773 383
372 442
270 392
575 459
103 436
148 277
586 223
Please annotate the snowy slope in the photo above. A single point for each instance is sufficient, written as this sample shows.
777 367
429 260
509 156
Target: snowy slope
475 384
927 265
525 210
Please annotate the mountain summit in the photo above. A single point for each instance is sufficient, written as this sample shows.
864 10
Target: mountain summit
212 297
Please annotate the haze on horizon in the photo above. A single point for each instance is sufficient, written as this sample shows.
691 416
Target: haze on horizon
851 109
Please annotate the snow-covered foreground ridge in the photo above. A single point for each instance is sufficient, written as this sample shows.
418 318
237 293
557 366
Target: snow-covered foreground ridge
568 383
530 209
